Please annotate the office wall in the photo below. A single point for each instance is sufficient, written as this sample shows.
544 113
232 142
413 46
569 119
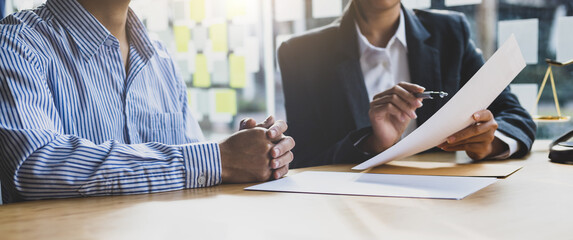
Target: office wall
225 49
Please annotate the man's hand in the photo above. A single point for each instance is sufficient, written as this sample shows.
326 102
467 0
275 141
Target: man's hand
390 112
244 156
477 140
277 156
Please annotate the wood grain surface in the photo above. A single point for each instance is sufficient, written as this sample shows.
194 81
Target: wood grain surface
533 203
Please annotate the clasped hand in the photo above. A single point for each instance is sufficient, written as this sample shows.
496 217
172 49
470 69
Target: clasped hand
257 152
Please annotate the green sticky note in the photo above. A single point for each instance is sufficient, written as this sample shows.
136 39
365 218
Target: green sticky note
226 101
197 10
218 35
236 8
182 37
201 77
238 71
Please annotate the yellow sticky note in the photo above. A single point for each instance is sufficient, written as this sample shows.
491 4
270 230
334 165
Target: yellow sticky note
197 10
236 8
238 71
182 37
218 35
201 77
226 101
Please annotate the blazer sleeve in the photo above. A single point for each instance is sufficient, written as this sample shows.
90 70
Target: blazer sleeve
512 119
312 148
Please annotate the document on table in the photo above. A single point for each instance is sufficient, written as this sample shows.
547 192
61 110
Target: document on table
446 169
383 185
477 94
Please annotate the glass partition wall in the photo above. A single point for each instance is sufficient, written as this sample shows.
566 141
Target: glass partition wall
226 49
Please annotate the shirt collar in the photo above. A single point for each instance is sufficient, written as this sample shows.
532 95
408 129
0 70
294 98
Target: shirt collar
89 34
400 35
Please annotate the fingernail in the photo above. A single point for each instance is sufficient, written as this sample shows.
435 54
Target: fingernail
276 164
451 139
273 133
476 116
415 116
267 119
420 104
276 152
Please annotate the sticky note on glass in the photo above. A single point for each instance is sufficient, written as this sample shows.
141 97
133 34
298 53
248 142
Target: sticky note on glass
564 39
183 69
289 10
220 72
253 51
198 100
182 37
200 37
202 100
526 33
238 76
159 21
451 3
418 4
326 8
178 10
198 9
201 77
236 36
218 9
236 8
225 101
218 35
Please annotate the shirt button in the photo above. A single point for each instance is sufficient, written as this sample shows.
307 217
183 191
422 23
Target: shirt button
201 180
108 42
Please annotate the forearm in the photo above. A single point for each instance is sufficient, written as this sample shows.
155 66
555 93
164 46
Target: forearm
68 166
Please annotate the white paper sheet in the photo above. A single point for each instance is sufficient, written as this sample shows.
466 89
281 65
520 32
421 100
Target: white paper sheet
253 54
478 93
452 3
384 185
417 4
326 8
527 95
526 32
289 10
564 39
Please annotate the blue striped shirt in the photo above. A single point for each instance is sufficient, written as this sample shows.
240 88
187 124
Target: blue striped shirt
74 123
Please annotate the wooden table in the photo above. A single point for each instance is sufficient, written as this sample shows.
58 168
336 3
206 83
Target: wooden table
533 203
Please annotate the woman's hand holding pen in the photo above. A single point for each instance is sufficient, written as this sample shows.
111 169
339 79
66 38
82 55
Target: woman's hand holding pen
390 113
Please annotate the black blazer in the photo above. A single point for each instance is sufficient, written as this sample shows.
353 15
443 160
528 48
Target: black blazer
326 99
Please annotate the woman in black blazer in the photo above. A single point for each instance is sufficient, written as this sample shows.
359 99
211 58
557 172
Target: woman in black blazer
334 121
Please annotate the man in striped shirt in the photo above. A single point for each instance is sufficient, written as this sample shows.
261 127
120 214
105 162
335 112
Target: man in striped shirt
89 105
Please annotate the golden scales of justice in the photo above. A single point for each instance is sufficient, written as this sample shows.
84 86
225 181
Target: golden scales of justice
549 73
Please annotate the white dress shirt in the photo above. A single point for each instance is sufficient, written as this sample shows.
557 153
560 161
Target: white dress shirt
383 68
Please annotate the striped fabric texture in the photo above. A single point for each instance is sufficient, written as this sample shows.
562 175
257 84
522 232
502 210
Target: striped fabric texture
74 123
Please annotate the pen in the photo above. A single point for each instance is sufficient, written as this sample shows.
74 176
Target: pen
431 94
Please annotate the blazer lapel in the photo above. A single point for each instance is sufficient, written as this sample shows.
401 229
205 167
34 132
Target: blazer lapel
424 63
350 72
